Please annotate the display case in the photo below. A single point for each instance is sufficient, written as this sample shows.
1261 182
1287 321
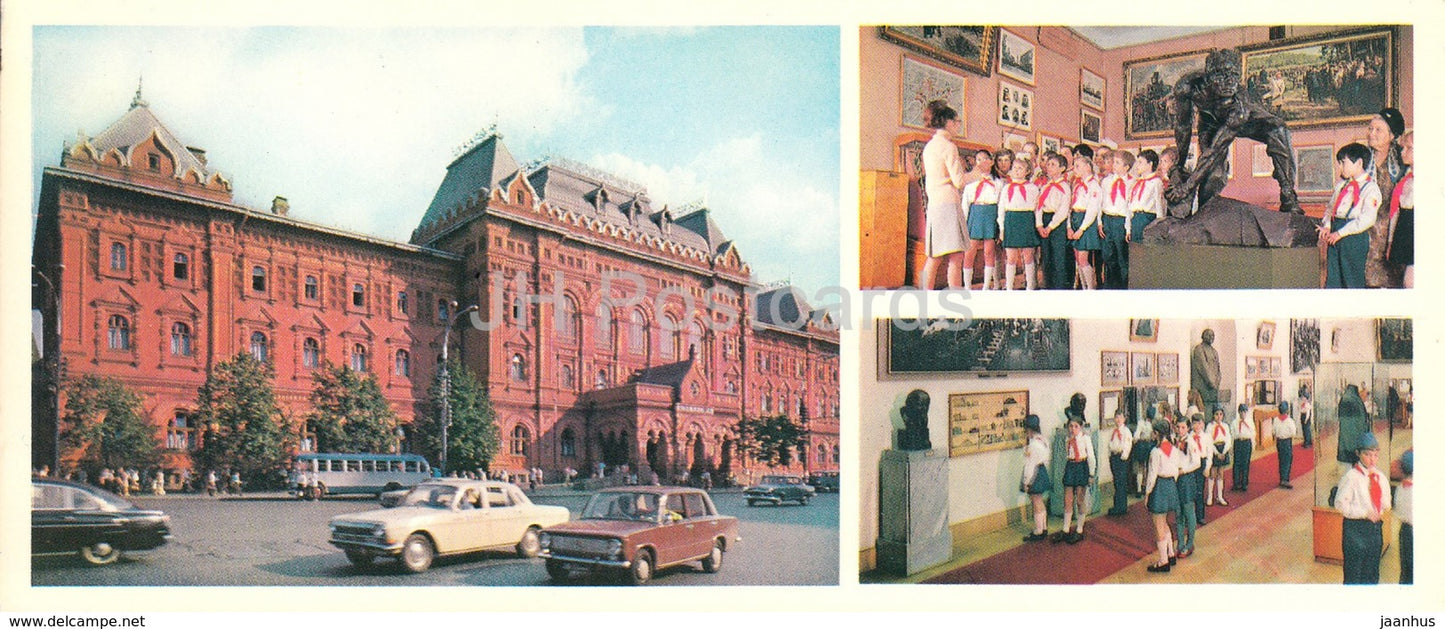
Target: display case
1350 399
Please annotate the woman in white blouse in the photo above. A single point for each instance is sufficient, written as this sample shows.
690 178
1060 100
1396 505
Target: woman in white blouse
943 220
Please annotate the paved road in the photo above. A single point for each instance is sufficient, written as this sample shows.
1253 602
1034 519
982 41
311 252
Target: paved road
268 541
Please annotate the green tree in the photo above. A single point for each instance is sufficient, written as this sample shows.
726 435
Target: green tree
473 439
349 413
770 440
104 421
244 429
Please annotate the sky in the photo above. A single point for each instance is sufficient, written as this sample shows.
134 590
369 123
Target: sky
355 127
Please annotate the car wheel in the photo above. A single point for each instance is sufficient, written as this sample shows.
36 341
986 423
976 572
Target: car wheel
558 570
100 553
713 562
752 503
802 500
359 558
417 553
392 486
529 546
642 567
320 491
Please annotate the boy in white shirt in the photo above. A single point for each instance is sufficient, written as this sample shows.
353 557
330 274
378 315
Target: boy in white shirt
1349 218
1283 430
1243 447
1115 220
1121 441
1363 497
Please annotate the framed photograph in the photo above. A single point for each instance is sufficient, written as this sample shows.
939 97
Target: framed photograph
1251 367
1304 345
1048 143
1315 169
1015 56
1114 369
1260 163
1264 336
1148 84
923 82
1146 330
1265 392
1109 402
1276 367
1300 77
1395 340
1168 368
1015 106
1141 368
979 422
968 48
976 345
1091 89
1090 126
1014 142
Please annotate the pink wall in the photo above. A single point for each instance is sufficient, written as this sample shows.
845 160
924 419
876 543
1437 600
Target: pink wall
1060 55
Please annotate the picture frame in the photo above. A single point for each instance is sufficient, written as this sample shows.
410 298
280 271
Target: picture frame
1091 89
1304 345
1148 86
1251 367
969 48
1145 330
1015 106
1260 163
1395 340
954 346
1276 367
1293 76
984 421
1168 368
1048 143
1109 402
1090 126
1016 56
1315 169
1265 392
1014 142
1264 335
1141 368
921 82
1113 369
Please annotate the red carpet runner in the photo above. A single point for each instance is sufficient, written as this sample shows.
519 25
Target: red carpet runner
1111 543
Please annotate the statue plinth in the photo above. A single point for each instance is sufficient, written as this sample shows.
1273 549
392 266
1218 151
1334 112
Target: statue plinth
1227 244
913 533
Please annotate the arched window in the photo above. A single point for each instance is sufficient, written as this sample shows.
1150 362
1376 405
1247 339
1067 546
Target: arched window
401 304
637 332
313 289
403 363
604 326
694 340
181 269
569 442
601 381
767 402
358 295
518 368
180 339
669 338
444 311
837 453
731 386
310 353
260 349
823 454
520 439
119 257
568 323
118 332
358 357
258 279
569 377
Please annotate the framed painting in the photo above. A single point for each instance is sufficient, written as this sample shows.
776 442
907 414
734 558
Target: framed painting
1340 78
1146 330
1048 143
976 345
1091 89
1148 84
1168 368
1109 402
979 422
1260 163
1276 367
1015 56
1141 368
1264 335
1014 142
1015 106
1304 345
1251 367
1113 369
968 48
1315 169
1265 392
1395 340
923 82
1090 126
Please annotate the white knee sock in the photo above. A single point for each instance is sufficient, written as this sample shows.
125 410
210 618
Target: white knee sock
1030 279
1008 275
967 278
1083 513
988 277
1209 491
1087 273
1068 520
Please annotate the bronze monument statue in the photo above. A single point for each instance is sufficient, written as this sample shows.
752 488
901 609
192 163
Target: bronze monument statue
914 434
1204 369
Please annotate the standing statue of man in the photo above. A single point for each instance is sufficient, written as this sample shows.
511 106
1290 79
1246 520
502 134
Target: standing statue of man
1226 111
1204 369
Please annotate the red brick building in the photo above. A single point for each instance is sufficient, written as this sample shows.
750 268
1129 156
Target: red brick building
159 275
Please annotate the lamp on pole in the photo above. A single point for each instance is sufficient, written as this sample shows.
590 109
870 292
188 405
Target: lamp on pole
446 376
50 348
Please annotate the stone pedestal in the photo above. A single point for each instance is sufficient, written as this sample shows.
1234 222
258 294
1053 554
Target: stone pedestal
913 533
1227 244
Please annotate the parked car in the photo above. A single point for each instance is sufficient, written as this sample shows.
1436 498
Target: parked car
824 482
68 517
779 489
445 516
639 530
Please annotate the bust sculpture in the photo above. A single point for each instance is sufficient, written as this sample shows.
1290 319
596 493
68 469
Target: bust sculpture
914 434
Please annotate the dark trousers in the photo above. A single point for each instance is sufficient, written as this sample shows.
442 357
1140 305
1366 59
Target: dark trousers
1407 553
1119 467
1304 427
1057 258
1116 253
1243 450
1199 493
1345 262
1285 448
1362 544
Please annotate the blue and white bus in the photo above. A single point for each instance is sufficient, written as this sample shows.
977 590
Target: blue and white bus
359 473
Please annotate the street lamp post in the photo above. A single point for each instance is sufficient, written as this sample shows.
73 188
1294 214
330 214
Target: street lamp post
446 375
50 324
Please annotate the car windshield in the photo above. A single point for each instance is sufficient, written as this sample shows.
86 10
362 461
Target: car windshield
622 506
439 496
779 480
112 501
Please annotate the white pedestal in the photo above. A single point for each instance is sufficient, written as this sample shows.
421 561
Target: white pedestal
913 533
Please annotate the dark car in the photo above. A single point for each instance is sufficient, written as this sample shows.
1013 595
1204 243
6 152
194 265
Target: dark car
779 489
639 530
67 517
824 482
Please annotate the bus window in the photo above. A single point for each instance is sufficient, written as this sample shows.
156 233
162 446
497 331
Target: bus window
353 465
368 466
410 466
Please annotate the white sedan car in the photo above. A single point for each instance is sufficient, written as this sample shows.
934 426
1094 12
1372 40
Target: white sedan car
445 516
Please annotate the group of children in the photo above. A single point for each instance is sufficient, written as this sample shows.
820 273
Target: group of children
1355 207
